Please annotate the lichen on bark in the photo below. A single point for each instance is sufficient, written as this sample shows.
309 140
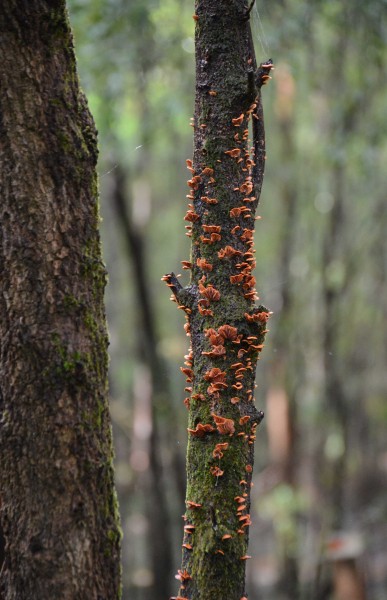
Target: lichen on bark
226 327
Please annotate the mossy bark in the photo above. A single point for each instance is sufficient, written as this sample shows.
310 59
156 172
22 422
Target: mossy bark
227 328
58 505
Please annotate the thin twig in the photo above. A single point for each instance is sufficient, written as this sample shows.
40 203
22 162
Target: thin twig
250 8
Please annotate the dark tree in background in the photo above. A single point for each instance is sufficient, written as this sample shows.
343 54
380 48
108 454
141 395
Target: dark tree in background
58 505
160 545
227 329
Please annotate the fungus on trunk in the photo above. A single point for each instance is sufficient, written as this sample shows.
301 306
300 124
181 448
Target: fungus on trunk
227 329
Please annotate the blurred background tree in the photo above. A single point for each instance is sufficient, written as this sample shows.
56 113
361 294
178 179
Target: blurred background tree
321 464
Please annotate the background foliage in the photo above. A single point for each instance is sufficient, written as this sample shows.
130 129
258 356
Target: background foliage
321 460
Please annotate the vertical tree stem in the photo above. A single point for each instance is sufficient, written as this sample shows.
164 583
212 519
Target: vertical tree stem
227 329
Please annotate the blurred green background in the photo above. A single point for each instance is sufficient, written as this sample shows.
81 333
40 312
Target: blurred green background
319 502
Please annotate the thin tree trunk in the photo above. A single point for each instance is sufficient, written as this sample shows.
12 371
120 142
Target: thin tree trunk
227 329
160 545
281 372
348 581
334 248
59 510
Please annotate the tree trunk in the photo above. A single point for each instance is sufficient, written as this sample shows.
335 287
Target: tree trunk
281 399
333 290
160 546
59 510
227 329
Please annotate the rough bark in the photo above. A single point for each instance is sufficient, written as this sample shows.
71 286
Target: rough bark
58 506
227 329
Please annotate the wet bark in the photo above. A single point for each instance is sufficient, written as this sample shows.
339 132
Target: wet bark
227 328
58 510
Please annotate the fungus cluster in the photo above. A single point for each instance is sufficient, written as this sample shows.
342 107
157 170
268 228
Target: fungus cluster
220 366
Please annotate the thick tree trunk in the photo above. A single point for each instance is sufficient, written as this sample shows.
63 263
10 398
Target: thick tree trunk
227 329
58 511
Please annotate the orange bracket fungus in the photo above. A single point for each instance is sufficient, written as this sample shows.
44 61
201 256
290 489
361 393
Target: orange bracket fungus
201 430
223 425
238 121
216 471
182 576
193 505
